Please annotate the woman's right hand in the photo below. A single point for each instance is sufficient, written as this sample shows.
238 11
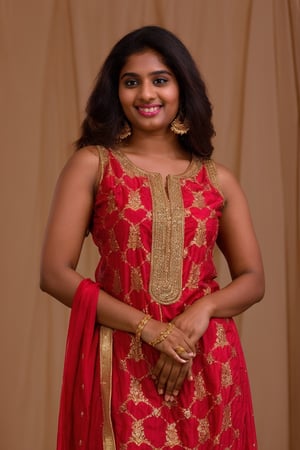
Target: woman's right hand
175 343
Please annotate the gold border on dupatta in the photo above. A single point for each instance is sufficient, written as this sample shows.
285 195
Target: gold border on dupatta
105 353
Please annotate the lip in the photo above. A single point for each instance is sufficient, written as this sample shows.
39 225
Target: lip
148 110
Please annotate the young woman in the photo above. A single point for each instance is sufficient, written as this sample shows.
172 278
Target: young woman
153 358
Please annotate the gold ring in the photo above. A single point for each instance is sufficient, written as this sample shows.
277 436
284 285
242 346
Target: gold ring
180 350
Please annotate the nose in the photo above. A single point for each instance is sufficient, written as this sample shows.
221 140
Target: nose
147 91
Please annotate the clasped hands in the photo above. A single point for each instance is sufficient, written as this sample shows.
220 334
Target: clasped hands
177 350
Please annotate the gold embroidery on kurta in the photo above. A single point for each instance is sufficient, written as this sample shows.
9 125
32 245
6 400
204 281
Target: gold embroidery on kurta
200 390
217 440
136 279
138 434
111 203
221 340
210 359
218 399
200 234
198 201
212 174
226 377
103 159
167 241
134 200
123 364
137 422
227 422
136 393
207 291
172 438
135 350
168 217
134 238
187 413
237 433
156 412
194 276
203 430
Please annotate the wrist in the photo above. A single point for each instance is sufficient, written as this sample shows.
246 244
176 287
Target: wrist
195 319
207 306
140 326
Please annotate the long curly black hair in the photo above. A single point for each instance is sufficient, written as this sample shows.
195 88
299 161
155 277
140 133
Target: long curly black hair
104 115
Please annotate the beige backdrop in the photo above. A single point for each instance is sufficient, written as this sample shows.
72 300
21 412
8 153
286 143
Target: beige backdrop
248 52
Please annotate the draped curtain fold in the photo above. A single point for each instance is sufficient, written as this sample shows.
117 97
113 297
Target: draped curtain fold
249 55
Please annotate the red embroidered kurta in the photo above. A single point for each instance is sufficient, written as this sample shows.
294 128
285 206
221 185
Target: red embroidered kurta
156 244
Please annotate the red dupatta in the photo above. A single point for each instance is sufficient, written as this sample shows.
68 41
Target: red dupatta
81 417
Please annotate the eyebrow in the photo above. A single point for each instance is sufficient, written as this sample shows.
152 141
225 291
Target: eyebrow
156 72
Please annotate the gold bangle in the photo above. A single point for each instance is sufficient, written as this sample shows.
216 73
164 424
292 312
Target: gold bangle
163 334
141 326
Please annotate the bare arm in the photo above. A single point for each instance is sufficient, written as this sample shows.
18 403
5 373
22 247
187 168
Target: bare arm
68 221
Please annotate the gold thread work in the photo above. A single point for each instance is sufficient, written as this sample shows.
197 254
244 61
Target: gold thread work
168 215
141 326
105 348
163 335
167 242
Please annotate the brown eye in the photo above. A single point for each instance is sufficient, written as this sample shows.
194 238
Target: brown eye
159 81
131 83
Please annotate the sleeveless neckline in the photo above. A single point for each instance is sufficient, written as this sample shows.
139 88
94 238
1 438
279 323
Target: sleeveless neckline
127 163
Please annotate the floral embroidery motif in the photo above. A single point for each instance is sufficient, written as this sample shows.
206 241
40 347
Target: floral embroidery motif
172 436
194 276
136 392
136 279
200 391
134 239
203 430
138 435
134 201
221 340
226 377
200 234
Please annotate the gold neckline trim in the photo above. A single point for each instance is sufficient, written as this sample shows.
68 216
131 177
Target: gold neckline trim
129 165
165 285
168 214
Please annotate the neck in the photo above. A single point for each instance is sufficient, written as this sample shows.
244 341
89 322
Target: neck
154 144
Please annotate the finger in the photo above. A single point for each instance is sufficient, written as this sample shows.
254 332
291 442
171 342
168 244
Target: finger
182 376
190 373
169 350
163 376
158 366
183 353
172 382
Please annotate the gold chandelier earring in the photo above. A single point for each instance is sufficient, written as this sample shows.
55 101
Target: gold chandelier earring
179 127
125 132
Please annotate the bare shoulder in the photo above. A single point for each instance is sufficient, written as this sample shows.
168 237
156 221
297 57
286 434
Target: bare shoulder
83 164
86 157
227 180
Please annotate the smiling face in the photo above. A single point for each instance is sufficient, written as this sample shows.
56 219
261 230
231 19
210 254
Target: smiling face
148 92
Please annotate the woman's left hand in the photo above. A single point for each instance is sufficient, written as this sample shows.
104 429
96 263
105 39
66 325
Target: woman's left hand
169 376
195 319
